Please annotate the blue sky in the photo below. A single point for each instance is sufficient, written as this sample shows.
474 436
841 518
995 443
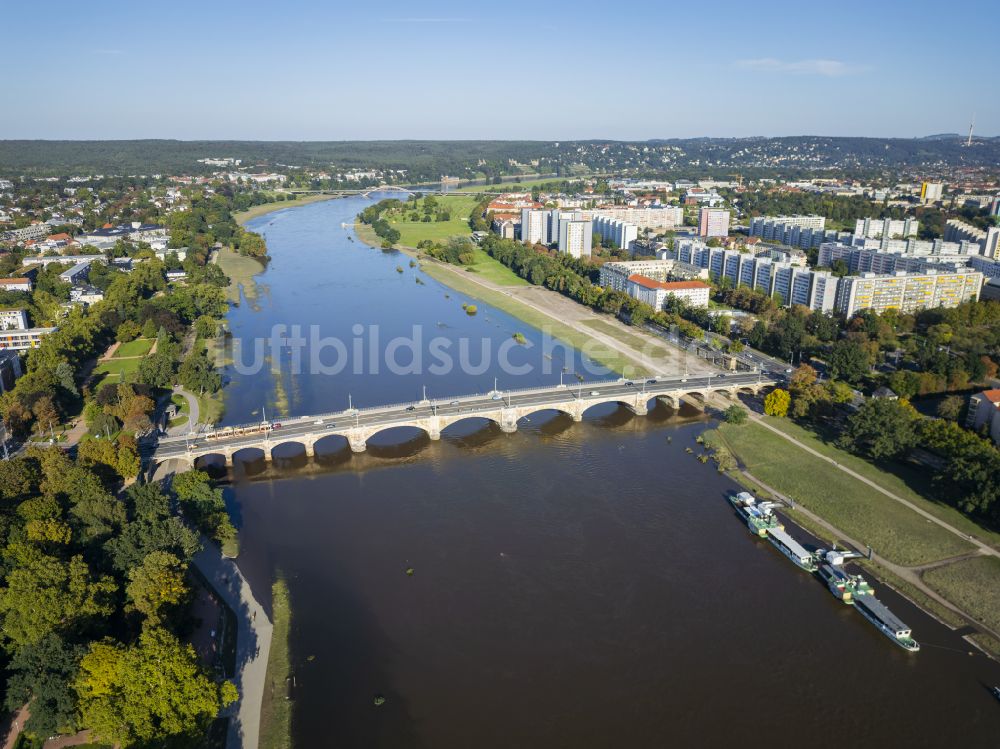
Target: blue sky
522 70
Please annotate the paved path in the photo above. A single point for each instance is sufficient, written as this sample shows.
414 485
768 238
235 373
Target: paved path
193 413
983 548
253 643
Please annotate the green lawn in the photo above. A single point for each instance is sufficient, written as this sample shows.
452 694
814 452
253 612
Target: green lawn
276 711
412 232
138 347
115 368
654 351
889 481
494 271
973 585
895 532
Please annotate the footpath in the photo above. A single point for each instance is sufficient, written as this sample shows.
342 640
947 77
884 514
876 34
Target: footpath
909 574
253 643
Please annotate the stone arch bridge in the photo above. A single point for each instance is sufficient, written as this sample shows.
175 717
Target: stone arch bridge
504 408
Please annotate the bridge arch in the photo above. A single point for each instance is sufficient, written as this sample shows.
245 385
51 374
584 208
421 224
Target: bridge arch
248 455
593 404
290 448
558 408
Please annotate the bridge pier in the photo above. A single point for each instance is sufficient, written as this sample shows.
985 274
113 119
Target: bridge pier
434 434
310 449
508 427
357 445
638 410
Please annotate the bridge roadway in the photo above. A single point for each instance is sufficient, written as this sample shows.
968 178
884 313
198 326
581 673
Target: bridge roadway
505 408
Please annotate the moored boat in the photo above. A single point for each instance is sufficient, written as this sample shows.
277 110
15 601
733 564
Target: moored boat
792 549
886 622
759 516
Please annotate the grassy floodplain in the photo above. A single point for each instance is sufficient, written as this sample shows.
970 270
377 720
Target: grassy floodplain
276 711
888 481
894 531
973 584
241 271
259 210
411 232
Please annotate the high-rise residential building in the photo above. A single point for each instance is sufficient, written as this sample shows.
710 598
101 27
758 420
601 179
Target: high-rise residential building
907 292
795 231
619 233
875 228
713 222
988 240
931 191
666 217
535 226
868 260
575 237
791 283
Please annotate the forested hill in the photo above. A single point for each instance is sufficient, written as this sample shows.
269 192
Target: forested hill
428 160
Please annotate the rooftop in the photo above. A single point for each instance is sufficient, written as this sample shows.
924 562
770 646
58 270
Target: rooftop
649 283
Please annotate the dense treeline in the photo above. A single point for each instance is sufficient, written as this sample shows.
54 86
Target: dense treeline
842 211
94 597
428 160
967 472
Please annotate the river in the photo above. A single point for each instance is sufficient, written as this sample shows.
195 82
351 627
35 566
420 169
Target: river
573 585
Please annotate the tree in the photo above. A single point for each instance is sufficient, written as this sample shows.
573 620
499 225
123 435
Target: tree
951 407
18 478
149 691
736 414
198 375
206 507
157 370
848 361
127 331
45 594
45 412
150 527
43 673
776 402
881 429
157 585
802 378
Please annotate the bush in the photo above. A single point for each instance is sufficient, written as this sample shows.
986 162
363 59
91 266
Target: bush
736 414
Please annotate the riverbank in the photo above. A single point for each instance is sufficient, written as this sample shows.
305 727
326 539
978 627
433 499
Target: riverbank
625 350
241 271
276 706
921 548
259 210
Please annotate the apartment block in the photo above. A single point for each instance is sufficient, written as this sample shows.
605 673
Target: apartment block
907 292
621 233
875 228
713 222
535 226
575 238
988 240
656 293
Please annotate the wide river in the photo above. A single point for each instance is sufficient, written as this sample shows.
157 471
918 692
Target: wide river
573 585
